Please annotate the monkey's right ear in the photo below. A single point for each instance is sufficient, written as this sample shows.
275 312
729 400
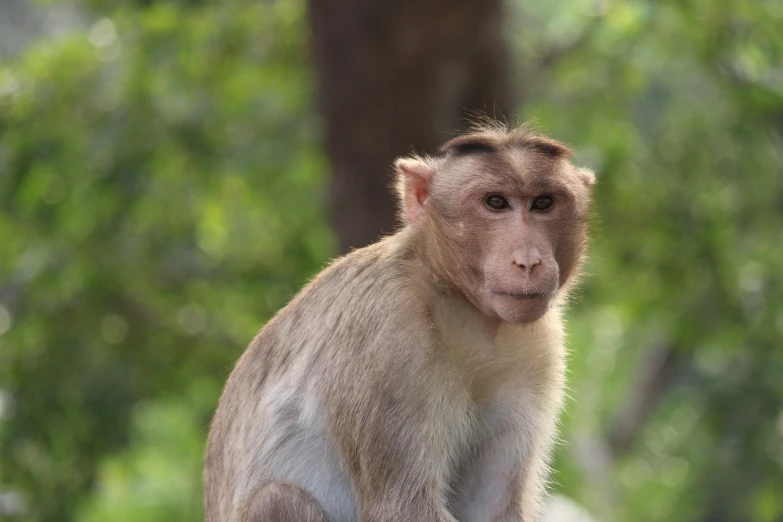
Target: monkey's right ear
414 176
586 175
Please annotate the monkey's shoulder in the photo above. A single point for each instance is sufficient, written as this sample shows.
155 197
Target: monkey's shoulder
352 301
378 279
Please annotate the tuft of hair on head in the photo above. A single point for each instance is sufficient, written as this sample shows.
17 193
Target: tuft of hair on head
487 135
586 175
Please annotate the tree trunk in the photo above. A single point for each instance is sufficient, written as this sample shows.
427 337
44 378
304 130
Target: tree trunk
397 77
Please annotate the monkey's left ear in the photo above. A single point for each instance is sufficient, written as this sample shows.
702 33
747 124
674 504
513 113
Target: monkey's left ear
414 176
586 175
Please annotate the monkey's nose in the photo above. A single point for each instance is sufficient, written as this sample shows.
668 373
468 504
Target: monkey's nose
526 258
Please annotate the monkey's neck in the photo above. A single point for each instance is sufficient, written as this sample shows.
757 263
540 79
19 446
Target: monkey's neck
494 357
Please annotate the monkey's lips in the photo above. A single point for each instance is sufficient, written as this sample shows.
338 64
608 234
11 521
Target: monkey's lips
519 307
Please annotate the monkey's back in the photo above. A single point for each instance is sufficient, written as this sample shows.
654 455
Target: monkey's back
276 412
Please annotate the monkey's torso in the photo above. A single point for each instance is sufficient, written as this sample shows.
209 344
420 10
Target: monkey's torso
371 377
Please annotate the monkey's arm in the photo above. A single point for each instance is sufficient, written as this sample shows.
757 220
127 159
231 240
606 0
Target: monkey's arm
490 483
505 479
395 426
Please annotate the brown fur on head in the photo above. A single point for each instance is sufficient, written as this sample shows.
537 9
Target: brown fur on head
490 232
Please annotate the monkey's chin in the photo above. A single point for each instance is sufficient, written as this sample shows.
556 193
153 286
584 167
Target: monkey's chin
519 308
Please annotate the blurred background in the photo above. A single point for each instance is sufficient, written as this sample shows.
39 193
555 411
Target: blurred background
171 172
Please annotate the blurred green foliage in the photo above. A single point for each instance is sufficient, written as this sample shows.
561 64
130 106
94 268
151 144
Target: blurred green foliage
679 106
162 192
161 195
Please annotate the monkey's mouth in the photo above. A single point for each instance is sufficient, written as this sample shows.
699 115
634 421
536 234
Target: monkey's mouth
521 296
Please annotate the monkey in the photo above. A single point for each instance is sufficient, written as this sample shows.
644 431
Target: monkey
419 378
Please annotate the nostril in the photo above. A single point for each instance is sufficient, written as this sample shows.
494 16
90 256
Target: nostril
527 260
525 266
528 267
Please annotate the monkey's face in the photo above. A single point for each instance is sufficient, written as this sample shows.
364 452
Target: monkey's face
516 223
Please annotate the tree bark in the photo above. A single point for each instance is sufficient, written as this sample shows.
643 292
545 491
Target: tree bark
394 78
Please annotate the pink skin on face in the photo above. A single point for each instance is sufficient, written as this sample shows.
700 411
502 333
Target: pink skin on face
520 273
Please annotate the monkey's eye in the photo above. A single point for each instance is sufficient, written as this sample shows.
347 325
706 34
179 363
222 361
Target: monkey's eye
541 203
496 202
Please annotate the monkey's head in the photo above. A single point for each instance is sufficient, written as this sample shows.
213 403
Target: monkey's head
503 218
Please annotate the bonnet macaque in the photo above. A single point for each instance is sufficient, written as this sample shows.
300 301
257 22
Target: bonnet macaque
419 378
